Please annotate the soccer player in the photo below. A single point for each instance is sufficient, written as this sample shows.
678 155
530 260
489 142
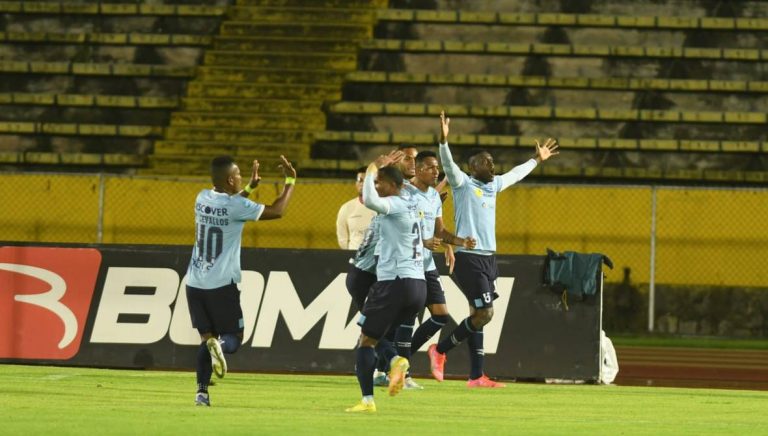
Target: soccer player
433 233
353 218
214 270
474 199
361 276
400 291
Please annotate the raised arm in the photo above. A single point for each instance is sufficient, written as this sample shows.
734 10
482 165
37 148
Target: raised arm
543 152
371 198
255 179
277 208
452 171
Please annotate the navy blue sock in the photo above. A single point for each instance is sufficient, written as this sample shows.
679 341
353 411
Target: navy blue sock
366 363
403 335
461 332
426 330
229 343
204 369
385 350
476 354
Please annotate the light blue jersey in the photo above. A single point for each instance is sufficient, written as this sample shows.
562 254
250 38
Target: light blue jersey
430 207
400 246
219 219
474 202
365 258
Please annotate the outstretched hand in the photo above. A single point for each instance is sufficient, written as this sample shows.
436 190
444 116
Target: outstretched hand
444 127
287 167
255 174
393 157
549 149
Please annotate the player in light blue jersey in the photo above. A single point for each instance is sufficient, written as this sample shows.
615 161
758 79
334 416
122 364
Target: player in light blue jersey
400 291
214 270
474 199
361 276
434 234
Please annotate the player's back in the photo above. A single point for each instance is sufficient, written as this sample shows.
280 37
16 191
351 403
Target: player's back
400 245
219 220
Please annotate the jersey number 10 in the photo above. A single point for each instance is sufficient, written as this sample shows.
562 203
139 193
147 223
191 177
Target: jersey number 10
210 241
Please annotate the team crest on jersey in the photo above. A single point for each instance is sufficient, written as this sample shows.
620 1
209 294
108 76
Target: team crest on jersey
478 192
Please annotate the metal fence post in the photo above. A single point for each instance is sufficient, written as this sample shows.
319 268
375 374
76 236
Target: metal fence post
652 279
100 223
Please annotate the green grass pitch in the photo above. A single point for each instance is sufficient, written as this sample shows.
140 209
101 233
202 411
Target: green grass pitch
55 400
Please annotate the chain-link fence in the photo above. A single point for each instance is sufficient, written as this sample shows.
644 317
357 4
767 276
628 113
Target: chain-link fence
695 253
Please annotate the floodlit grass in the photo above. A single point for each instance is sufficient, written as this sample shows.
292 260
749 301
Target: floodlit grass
689 342
54 400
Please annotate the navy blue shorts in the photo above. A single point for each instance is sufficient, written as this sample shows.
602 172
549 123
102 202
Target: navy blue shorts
215 311
359 284
476 275
435 292
392 302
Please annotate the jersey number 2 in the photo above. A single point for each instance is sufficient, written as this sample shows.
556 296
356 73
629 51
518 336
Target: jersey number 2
416 249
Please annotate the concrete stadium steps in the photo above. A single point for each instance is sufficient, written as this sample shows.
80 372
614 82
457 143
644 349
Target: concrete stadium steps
262 86
84 100
344 62
297 28
316 3
255 75
550 19
72 159
108 8
248 121
285 44
655 363
493 141
423 80
236 135
564 50
260 150
199 164
253 105
266 90
548 112
303 13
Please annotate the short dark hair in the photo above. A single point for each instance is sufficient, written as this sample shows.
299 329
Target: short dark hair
474 153
361 170
405 145
220 166
392 174
424 155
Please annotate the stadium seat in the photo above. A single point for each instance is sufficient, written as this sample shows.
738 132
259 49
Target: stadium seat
86 159
603 83
521 49
94 69
570 20
105 8
106 101
546 112
490 141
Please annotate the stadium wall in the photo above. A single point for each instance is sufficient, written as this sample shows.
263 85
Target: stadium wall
125 306
703 237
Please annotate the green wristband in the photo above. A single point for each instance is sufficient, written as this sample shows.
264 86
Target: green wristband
290 180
